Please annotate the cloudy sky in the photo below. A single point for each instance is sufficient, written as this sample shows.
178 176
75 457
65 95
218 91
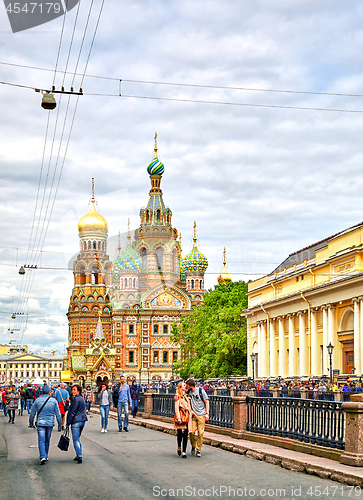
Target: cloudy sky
264 175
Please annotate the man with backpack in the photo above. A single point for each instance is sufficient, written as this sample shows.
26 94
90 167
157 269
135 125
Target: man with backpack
200 415
30 396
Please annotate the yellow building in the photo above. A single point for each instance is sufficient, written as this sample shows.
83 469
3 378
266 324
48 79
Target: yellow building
24 368
313 298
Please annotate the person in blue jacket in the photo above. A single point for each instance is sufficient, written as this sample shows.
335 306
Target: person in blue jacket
47 408
76 418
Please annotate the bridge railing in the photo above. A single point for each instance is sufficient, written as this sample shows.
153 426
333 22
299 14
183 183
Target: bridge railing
310 421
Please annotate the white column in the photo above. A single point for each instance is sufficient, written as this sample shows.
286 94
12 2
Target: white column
282 349
273 370
332 334
357 336
360 371
292 346
325 341
262 365
315 349
303 345
259 358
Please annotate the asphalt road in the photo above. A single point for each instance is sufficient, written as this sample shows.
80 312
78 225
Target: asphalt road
143 464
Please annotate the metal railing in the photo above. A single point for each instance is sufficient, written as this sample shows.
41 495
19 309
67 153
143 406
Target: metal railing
221 410
310 421
141 403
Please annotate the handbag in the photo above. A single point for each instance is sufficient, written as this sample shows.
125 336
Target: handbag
184 415
63 443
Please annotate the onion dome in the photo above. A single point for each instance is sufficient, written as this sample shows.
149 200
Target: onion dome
156 167
93 222
195 261
224 277
129 259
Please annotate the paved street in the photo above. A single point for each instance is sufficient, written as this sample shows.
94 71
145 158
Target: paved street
143 464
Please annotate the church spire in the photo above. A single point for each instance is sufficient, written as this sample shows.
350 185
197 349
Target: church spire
156 145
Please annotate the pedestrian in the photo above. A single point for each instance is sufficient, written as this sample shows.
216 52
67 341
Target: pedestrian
62 397
46 409
22 400
29 397
88 398
122 401
76 418
182 406
12 400
134 391
199 403
104 399
3 398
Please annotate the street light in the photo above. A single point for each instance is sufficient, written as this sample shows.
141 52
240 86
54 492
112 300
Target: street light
330 348
253 359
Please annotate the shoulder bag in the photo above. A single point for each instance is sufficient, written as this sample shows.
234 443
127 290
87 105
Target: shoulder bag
41 410
184 415
64 440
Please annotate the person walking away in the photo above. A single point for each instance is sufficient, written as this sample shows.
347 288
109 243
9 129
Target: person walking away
76 418
135 392
22 400
122 401
12 400
3 398
62 397
104 399
199 403
88 398
46 408
29 397
182 405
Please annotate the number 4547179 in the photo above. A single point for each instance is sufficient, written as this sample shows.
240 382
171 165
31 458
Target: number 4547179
34 8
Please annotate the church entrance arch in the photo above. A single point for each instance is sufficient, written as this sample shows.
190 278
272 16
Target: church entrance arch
102 377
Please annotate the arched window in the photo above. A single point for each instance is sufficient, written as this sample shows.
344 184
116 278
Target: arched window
89 244
147 216
173 261
94 280
82 276
158 215
192 284
134 283
144 260
159 259
94 245
99 245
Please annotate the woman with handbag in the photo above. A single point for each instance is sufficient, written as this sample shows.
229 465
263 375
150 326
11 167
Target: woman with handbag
104 399
182 418
76 418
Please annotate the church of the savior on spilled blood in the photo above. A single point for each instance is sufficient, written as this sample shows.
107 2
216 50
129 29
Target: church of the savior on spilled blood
121 312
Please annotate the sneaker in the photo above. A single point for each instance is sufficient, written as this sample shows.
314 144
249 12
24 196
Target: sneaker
79 460
12 422
105 430
198 454
120 429
126 429
193 451
43 461
102 430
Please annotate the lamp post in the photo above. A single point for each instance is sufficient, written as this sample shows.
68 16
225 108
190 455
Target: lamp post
253 359
330 348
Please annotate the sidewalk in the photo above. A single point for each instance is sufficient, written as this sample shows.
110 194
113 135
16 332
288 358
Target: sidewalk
288 459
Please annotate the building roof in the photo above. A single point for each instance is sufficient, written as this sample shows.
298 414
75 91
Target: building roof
309 252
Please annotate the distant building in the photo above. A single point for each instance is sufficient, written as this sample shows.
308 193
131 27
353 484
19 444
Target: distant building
26 367
12 349
313 298
121 312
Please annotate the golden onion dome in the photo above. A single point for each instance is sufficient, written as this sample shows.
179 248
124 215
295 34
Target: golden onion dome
93 222
224 277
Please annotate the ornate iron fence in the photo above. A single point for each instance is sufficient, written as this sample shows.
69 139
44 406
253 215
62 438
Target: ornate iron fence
310 421
141 403
221 411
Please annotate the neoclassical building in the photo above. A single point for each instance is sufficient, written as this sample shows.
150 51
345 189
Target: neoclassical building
122 311
313 298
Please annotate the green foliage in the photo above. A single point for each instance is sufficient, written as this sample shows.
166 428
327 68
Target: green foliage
214 338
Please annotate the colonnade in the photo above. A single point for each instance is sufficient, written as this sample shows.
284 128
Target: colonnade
290 344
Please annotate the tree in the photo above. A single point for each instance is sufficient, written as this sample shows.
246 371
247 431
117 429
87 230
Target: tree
214 338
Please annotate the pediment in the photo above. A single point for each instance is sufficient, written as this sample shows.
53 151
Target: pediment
101 364
131 344
156 344
166 297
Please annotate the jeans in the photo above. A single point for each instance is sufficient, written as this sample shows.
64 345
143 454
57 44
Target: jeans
11 415
134 407
77 429
88 405
22 406
44 433
104 410
29 404
125 406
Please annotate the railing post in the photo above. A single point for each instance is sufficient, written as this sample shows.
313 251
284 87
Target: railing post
304 393
353 453
338 396
148 403
240 415
275 393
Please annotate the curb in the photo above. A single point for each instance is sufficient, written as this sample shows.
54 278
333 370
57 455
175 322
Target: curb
352 476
